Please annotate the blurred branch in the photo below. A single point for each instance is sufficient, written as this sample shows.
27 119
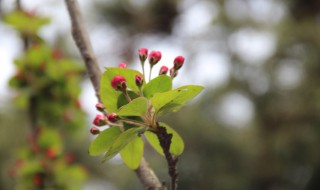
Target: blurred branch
82 41
80 36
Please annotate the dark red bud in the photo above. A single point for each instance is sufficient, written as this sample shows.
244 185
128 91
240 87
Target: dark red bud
154 57
178 62
139 80
122 65
100 120
100 107
37 180
143 54
163 70
113 117
94 130
119 83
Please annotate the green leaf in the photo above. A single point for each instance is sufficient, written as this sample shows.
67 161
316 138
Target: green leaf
122 140
132 153
25 22
109 96
154 141
136 107
161 99
186 93
176 146
104 141
162 83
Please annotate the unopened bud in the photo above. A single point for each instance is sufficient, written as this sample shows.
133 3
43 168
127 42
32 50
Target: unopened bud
178 62
37 180
119 83
100 120
154 57
122 65
51 153
139 80
100 107
94 130
143 54
163 70
113 117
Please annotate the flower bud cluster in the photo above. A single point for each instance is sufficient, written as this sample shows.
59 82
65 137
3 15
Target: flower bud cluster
102 119
119 83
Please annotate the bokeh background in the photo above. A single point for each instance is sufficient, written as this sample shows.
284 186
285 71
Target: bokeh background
256 126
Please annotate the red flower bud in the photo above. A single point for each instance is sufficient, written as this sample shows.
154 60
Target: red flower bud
143 54
119 83
56 54
154 57
94 130
122 65
139 80
113 117
100 107
51 153
100 120
163 70
173 72
37 180
178 62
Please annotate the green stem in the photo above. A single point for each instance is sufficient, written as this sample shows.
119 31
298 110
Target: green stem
134 122
125 92
140 92
143 73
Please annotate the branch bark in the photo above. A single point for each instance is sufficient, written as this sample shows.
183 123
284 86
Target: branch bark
165 142
144 172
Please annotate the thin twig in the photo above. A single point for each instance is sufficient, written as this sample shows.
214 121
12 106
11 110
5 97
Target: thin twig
165 142
144 172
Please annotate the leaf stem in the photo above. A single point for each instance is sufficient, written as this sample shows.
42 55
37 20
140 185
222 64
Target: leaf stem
133 122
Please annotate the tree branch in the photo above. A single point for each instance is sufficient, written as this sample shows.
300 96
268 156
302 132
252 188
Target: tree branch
165 142
80 36
82 41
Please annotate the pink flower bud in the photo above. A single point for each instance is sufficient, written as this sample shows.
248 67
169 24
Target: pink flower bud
122 65
100 120
163 70
100 107
154 57
94 130
143 54
173 72
139 80
119 83
178 62
113 117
